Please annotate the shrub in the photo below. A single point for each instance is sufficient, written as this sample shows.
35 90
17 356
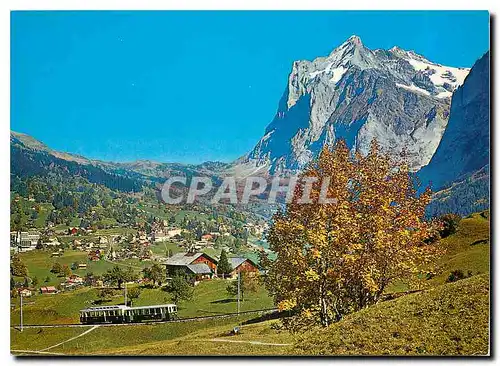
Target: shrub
457 275
449 224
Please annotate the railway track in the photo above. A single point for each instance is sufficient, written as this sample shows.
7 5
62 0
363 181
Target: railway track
180 320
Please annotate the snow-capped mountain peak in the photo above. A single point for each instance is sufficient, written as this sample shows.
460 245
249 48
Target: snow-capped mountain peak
355 93
445 79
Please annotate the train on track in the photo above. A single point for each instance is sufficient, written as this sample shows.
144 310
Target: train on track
116 314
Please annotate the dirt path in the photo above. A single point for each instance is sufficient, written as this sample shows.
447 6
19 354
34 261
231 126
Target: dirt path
68 340
25 351
249 342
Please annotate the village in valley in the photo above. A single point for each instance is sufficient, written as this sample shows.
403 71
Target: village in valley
59 259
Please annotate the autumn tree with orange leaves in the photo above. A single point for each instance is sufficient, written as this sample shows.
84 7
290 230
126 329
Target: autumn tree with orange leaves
338 257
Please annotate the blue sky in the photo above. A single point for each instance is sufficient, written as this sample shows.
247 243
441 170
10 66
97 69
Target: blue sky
192 86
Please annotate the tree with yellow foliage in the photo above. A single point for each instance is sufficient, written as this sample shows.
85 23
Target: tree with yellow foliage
339 248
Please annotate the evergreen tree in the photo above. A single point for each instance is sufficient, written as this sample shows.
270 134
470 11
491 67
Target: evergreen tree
223 267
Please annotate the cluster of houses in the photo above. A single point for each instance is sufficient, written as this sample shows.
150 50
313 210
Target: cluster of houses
201 266
72 282
28 292
159 234
143 253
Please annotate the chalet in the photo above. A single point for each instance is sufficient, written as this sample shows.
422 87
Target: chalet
75 279
199 272
157 237
207 237
200 265
52 242
173 232
239 264
94 255
25 292
48 290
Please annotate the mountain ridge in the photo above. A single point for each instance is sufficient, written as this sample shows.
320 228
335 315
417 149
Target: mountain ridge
146 167
396 96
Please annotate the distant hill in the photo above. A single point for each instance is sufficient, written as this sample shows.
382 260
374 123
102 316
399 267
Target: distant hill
31 157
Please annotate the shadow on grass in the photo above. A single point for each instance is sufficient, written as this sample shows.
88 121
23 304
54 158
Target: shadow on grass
480 241
268 316
223 301
100 302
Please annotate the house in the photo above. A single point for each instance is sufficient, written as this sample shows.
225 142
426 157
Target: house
73 231
174 232
239 264
82 266
75 279
159 238
200 265
52 242
207 237
48 290
199 272
94 255
25 292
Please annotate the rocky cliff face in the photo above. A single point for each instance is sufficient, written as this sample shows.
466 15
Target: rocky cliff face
464 148
358 94
460 170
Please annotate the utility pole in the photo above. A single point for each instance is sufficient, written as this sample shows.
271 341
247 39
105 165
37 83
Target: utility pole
125 293
239 275
21 299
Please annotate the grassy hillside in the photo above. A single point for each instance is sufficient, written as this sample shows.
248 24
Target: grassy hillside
467 250
39 264
450 319
159 339
210 298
